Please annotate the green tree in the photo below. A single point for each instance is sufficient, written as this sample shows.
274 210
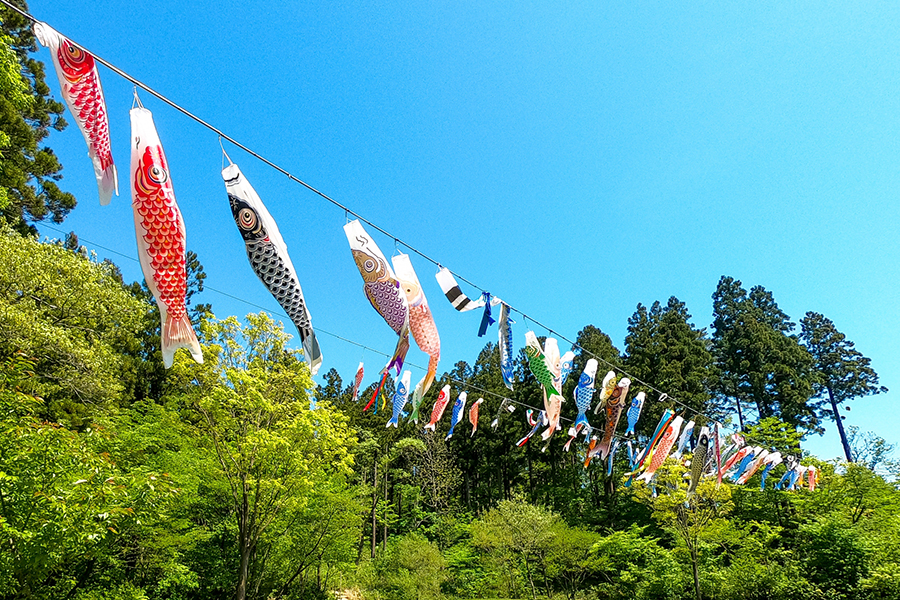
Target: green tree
29 171
251 394
518 536
65 507
73 317
14 89
696 520
412 569
663 347
844 373
760 362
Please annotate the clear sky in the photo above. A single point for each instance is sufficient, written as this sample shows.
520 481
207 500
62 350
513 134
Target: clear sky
574 160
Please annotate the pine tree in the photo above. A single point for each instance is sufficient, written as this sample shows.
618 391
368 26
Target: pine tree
760 362
844 373
29 172
664 349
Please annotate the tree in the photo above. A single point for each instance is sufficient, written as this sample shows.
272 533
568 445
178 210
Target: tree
517 535
872 450
759 361
412 569
251 394
73 318
64 505
664 348
844 373
14 88
29 172
695 520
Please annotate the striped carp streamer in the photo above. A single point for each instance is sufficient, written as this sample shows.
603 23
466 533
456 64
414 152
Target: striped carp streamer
80 83
457 299
160 234
382 290
268 256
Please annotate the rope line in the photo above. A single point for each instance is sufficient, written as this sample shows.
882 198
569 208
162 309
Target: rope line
347 211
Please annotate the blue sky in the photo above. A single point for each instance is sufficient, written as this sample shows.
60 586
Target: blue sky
574 160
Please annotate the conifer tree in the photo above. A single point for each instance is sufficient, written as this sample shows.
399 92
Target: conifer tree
29 172
844 373
664 349
760 362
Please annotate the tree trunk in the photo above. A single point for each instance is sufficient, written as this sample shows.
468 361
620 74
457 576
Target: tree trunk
694 560
840 426
245 548
374 501
740 413
385 523
244 569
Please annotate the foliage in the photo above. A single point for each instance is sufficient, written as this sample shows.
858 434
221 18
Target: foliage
64 507
760 362
273 451
73 318
774 435
412 569
662 346
844 373
28 171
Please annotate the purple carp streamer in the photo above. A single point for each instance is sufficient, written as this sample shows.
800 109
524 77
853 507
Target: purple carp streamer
382 289
268 255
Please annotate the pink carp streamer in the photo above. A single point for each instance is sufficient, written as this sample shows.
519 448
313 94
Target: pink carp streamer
421 322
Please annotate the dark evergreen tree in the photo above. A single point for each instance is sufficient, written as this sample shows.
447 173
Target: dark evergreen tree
664 349
29 171
844 373
761 364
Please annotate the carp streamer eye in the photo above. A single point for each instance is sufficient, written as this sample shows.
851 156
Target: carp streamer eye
157 174
74 57
248 220
369 265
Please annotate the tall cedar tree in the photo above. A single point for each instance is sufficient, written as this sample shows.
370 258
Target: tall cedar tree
663 348
759 361
844 373
28 171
